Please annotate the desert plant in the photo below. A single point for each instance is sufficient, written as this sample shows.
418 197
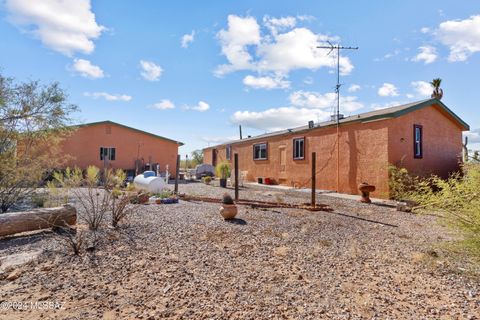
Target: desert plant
227 199
120 207
72 239
401 183
437 91
94 202
223 170
33 121
207 180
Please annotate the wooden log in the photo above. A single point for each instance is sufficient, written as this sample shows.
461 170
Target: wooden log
37 219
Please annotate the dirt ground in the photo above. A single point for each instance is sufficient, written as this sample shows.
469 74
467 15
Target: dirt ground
183 261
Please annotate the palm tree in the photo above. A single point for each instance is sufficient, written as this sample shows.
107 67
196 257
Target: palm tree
437 91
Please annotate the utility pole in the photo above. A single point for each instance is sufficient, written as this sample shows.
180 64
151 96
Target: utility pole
337 91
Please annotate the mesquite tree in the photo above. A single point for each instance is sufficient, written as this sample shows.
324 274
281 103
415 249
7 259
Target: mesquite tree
34 118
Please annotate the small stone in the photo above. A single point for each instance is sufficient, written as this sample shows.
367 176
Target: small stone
15 274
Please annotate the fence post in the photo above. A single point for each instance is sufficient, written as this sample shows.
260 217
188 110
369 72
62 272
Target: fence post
177 169
235 158
314 170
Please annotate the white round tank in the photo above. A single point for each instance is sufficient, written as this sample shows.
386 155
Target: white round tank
149 183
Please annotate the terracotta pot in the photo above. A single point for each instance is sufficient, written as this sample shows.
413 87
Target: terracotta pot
365 189
228 211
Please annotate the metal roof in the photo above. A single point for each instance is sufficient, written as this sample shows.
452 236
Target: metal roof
386 113
127 127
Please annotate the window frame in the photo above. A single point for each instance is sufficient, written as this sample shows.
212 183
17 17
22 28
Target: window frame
294 148
228 152
111 153
266 151
418 142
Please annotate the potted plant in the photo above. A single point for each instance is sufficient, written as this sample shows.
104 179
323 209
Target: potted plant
228 209
223 171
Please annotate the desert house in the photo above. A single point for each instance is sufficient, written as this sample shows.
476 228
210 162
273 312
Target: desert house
425 137
107 144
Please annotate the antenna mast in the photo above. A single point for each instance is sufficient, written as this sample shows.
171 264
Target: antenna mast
337 47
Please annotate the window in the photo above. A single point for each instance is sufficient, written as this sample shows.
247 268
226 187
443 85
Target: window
228 152
107 153
299 149
417 141
260 151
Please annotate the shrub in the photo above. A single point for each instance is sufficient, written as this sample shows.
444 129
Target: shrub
207 179
457 199
227 199
223 170
94 201
401 183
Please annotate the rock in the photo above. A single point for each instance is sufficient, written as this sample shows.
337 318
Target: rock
18 259
14 275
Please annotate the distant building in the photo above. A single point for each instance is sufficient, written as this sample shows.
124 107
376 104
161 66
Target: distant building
425 137
108 144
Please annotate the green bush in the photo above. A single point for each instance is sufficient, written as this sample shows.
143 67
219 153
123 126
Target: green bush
222 170
456 199
207 179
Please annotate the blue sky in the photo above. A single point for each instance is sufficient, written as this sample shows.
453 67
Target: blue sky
195 70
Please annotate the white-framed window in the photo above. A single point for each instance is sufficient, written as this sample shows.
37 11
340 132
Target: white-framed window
299 148
107 153
417 141
260 151
228 152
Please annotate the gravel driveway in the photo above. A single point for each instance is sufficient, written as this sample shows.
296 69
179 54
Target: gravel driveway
184 261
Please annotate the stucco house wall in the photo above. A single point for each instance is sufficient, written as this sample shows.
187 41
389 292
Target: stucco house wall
442 142
366 150
84 147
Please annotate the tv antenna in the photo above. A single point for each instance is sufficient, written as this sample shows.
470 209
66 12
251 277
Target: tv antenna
337 47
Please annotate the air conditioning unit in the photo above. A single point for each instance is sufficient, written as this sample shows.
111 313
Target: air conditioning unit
333 117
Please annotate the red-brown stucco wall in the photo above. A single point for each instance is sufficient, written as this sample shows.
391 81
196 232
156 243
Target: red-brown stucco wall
366 149
363 157
442 142
85 142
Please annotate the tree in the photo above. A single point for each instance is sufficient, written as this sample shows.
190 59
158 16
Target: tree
197 157
437 91
34 119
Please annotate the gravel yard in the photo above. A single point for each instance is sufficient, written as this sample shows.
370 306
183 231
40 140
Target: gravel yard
184 261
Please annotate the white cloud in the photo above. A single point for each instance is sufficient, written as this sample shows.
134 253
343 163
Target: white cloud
278 118
281 49
201 106
218 140
427 54
279 24
108 96
86 69
66 26
308 80
307 99
354 88
187 39
151 71
165 104
241 32
377 106
388 90
425 30
473 136
461 36
266 82
422 88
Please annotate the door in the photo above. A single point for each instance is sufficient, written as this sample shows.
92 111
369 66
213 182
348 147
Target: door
283 159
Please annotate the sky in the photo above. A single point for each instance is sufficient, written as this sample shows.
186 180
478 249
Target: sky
194 71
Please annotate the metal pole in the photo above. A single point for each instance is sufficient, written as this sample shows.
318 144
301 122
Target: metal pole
177 169
314 182
240 128
338 119
235 157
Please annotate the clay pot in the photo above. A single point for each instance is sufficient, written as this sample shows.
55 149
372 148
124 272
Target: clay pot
228 211
365 189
